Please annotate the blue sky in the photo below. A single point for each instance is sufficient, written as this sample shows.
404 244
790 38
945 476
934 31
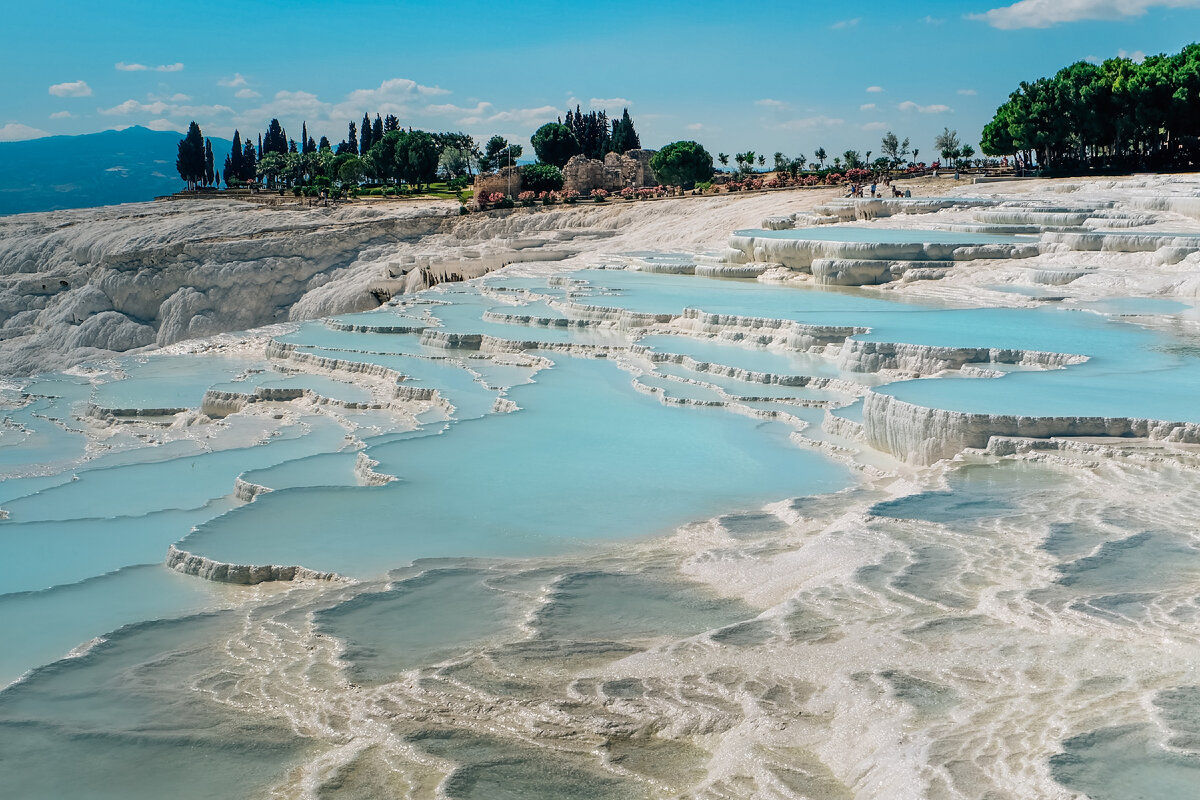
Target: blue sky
766 76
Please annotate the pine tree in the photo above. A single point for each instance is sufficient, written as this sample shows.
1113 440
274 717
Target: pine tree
352 139
324 144
392 123
310 146
190 159
366 140
376 129
291 148
209 172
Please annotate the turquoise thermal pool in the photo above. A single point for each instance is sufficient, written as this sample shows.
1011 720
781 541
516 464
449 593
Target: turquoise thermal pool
605 533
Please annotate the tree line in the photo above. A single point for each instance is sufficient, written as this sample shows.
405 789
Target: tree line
1116 115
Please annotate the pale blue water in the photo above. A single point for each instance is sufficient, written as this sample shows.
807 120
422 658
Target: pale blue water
586 463
840 233
503 485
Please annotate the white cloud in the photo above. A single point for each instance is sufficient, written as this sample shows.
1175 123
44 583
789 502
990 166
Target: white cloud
931 20
1137 56
449 109
1092 59
71 89
123 67
846 23
520 116
237 80
246 94
806 123
291 105
160 108
937 108
165 125
393 96
875 126
695 126
604 103
1047 13
874 89
968 92
867 107
767 101
61 115
16 132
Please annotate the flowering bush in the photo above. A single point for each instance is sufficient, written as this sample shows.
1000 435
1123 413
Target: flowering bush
628 193
599 195
571 196
857 175
527 198
550 198
833 178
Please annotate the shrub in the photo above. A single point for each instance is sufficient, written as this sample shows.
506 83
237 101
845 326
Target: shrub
505 202
703 186
541 177
571 196
527 198
458 184
600 195
462 210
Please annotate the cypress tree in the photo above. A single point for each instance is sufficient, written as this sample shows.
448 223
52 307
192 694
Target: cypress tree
376 129
249 162
367 139
233 162
304 140
261 152
352 139
209 171
275 141
392 123
291 148
190 159
624 137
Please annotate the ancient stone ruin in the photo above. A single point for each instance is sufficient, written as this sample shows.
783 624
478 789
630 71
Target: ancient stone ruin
614 173
506 181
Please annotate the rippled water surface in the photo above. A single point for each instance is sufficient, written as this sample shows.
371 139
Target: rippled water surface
578 555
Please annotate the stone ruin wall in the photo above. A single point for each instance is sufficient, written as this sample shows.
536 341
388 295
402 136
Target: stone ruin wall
614 173
506 181
581 174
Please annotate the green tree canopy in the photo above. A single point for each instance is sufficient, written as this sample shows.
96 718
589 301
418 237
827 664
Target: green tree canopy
894 150
1117 114
554 144
499 153
683 163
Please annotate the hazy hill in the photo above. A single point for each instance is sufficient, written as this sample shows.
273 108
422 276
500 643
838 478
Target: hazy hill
94 169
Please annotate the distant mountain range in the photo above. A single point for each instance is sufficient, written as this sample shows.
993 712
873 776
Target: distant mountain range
95 169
